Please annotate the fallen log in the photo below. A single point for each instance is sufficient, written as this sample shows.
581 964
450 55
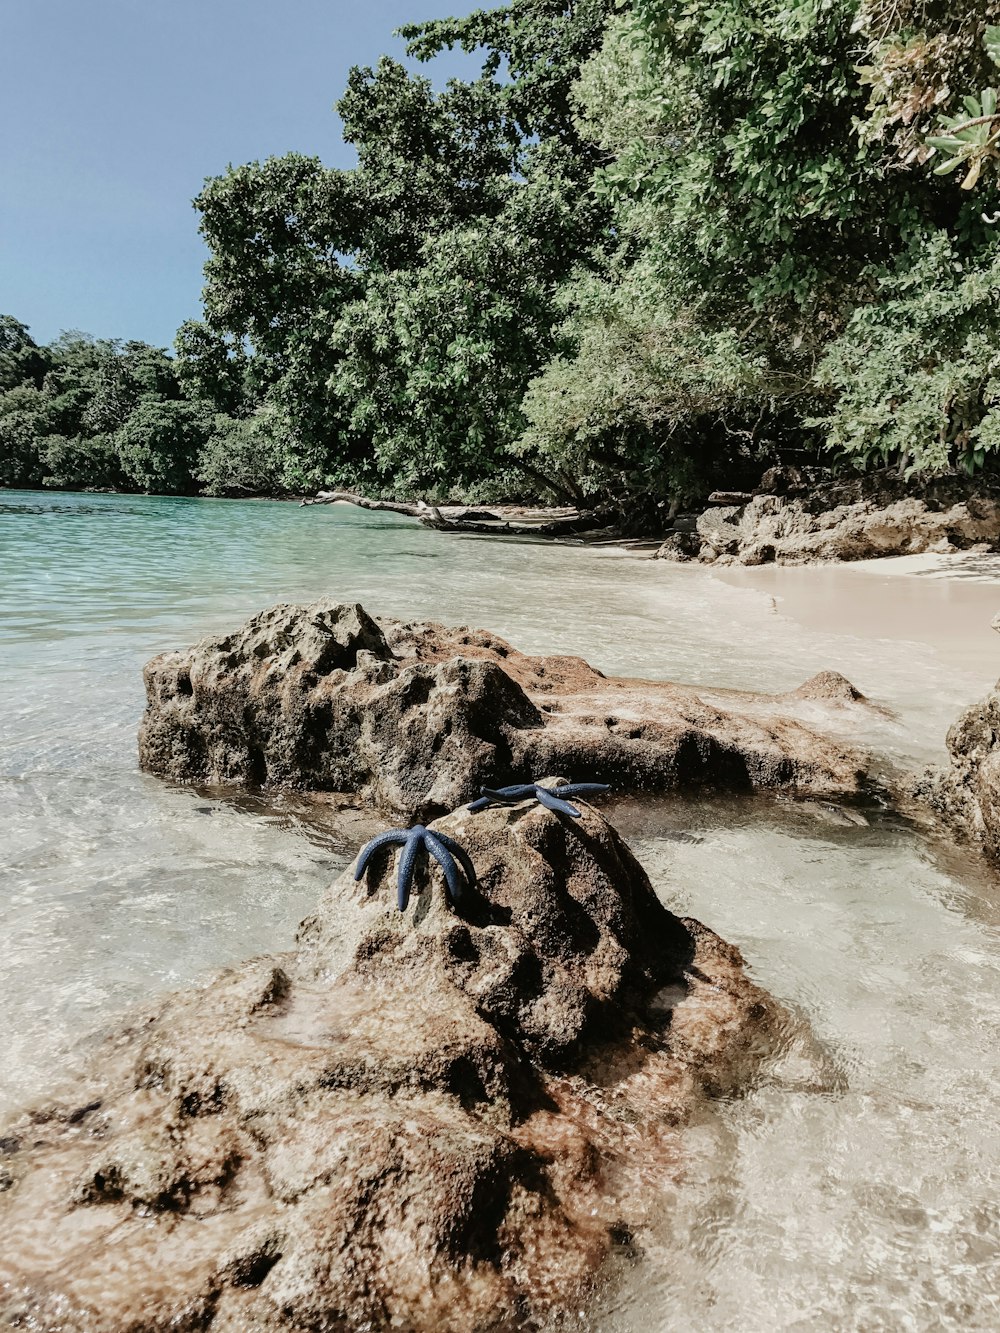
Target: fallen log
460 518
411 508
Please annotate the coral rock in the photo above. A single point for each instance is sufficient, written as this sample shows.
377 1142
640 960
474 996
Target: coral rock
429 1121
416 718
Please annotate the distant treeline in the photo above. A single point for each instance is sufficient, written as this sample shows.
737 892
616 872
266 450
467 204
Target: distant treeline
86 413
651 247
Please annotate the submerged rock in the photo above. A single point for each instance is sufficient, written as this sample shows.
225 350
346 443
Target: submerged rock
428 1121
416 717
858 519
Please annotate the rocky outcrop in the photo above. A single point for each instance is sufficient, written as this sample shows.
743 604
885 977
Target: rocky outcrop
417 717
851 520
966 794
443 1120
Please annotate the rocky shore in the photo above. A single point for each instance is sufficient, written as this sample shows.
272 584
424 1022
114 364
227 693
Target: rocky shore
415 717
792 520
444 1119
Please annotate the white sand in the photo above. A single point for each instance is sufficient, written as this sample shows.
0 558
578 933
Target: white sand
943 602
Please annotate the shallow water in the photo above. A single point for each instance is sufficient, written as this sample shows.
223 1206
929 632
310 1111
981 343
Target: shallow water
871 1208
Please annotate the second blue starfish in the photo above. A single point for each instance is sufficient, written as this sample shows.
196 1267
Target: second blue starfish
446 851
551 798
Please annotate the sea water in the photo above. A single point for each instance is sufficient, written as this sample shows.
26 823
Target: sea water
873 1206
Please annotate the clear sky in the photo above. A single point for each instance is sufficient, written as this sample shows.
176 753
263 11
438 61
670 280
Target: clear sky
112 112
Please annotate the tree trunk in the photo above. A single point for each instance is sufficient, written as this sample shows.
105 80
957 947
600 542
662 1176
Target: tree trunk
464 519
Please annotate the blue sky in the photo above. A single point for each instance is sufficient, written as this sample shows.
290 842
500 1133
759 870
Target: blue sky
114 111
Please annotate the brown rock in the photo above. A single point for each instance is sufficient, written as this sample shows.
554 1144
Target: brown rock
967 793
443 1120
857 519
417 717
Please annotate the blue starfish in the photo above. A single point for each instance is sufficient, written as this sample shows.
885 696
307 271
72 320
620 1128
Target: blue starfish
445 851
551 799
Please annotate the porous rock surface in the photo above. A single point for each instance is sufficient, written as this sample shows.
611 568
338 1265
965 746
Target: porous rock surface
439 1120
967 793
416 717
856 520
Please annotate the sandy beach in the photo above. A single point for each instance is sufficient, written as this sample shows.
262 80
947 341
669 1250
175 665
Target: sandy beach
944 602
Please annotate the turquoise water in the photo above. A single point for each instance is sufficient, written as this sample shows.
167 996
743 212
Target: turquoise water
874 1207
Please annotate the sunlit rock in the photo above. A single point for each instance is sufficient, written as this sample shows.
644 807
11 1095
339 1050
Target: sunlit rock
416 717
425 1120
851 519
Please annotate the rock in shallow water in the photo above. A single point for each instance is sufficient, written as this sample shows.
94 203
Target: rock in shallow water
967 793
427 1121
417 717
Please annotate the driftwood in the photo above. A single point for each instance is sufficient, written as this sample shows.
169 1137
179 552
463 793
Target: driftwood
730 497
460 518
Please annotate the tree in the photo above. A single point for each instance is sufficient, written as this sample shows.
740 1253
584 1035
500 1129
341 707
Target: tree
22 361
23 420
244 457
158 445
397 312
211 368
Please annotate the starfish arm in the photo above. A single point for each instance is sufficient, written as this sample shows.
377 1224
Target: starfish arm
498 797
522 791
382 840
445 859
553 803
581 789
461 856
406 863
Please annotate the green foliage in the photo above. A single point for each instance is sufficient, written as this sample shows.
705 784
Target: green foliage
397 312
972 140
81 462
650 246
158 445
771 229
646 402
917 371
95 414
244 457
21 360
923 62
211 368
23 419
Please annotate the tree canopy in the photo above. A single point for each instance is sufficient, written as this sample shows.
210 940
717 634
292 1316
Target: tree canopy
649 246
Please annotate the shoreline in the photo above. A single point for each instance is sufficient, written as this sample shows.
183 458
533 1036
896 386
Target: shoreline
944 602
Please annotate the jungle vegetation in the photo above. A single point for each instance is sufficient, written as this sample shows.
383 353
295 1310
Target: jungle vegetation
653 246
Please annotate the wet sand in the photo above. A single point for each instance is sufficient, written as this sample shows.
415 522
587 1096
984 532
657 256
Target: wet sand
942 602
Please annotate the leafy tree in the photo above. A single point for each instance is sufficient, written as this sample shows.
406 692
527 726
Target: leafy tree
397 312
931 70
917 371
775 219
211 368
81 463
125 376
22 361
23 419
244 457
158 445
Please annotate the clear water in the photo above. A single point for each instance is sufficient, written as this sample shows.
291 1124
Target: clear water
874 1207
